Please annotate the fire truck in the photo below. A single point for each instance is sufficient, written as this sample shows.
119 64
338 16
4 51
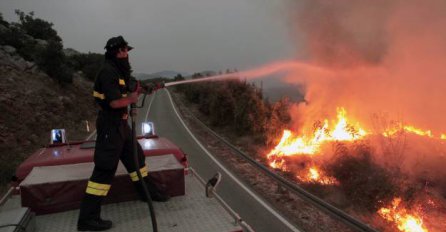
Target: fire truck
49 185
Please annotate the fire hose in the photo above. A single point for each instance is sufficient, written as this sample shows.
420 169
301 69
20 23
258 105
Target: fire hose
147 90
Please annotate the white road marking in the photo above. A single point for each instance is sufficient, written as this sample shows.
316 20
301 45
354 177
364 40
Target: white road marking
91 135
261 201
150 105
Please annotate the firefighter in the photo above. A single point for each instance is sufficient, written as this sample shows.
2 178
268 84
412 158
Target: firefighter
114 91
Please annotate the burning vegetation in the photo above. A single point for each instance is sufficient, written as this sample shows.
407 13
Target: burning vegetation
406 221
340 153
383 62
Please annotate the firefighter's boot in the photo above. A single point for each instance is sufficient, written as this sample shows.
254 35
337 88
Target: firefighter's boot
94 225
89 215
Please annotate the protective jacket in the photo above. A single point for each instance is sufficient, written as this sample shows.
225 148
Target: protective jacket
111 85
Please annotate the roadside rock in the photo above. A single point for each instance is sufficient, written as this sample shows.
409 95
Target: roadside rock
41 42
70 52
5 59
29 64
8 57
9 49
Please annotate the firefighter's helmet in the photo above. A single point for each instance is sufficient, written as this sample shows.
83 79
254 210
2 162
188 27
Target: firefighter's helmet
117 42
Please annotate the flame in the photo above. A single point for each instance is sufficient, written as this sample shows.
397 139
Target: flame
413 130
343 132
293 145
341 129
405 221
314 175
278 164
418 131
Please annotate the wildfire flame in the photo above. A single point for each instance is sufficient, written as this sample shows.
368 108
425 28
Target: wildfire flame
314 175
290 145
309 145
405 221
413 130
341 129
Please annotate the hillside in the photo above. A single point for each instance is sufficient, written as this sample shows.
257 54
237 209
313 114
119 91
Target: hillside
31 104
163 74
42 86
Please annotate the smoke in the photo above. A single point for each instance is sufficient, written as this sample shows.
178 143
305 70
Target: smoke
350 30
381 57
384 56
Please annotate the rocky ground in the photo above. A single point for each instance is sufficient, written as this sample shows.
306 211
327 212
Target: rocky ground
303 214
31 104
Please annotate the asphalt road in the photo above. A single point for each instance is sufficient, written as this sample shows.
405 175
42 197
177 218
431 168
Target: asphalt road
251 207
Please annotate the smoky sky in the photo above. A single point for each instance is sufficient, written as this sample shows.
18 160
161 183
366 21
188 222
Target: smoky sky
385 57
384 63
179 35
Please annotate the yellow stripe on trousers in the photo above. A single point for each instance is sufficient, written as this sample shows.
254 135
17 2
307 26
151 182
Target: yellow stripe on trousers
97 189
144 172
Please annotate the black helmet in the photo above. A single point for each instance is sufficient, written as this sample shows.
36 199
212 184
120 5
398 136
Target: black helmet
117 42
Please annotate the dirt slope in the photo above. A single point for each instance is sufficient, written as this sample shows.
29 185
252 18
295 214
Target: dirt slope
31 103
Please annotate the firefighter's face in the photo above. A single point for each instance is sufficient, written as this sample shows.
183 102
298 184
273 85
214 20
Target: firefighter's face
123 53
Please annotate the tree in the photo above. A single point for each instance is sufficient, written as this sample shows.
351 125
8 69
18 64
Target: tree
37 28
49 56
53 62
178 77
239 107
3 22
197 75
89 63
278 119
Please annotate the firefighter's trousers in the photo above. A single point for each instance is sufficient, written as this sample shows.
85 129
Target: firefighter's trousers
113 143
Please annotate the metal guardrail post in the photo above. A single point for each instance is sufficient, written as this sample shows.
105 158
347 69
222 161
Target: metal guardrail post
235 216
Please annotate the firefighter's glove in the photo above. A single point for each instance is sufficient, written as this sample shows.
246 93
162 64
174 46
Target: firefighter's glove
133 97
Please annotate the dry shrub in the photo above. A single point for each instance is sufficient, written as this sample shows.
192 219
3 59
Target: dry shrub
239 106
367 185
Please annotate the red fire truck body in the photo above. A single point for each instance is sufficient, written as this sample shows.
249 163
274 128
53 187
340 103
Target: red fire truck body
49 185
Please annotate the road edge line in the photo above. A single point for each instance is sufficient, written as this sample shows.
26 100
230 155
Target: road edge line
249 191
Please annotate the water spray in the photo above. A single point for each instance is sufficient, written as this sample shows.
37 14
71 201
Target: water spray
273 68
